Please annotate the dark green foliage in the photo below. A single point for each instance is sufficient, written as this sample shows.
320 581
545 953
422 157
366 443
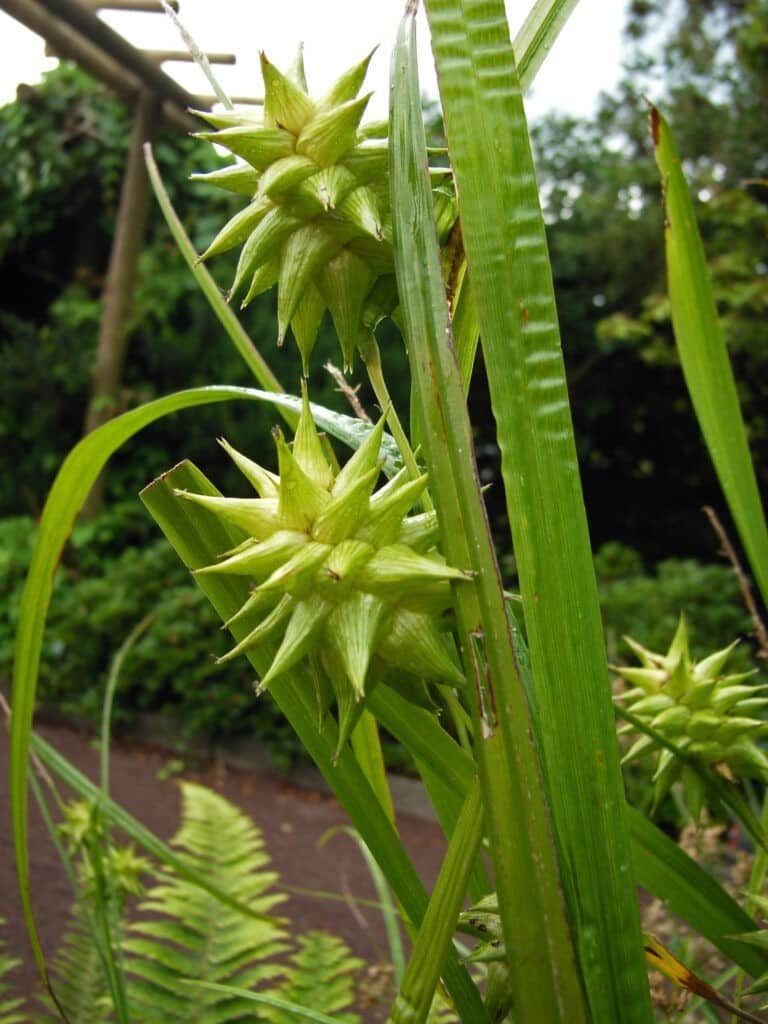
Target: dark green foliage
647 606
58 197
98 599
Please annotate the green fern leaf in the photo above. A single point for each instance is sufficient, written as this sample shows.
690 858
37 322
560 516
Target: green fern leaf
9 1006
321 977
184 933
78 978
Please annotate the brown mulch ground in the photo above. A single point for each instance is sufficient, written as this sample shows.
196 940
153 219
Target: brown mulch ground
292 820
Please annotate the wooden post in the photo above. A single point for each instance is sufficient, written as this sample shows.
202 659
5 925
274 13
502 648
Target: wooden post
118 289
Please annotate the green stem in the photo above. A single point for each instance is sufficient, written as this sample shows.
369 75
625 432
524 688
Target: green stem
372 358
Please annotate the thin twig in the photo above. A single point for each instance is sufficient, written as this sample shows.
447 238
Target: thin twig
744 584
348 391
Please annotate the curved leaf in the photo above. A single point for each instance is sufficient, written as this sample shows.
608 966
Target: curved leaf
68 493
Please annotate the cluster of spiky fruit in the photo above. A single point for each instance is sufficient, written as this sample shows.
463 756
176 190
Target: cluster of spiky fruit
318 223
702 711
342 574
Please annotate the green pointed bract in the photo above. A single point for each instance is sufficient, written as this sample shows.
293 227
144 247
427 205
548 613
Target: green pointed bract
301 500
307 449
414 639
263 279
262 558
341 567
328 188
304 625
704 712
286 105
347 86
326 585
266 484
296 71
295 575
385 519
282 177
362 462
352 629
305 323
307 249
344 284
265 239
238 229
331 133
259 147
229 118
345 512
367 162
397 567
361 208
239 178
258 516
264 629
419 532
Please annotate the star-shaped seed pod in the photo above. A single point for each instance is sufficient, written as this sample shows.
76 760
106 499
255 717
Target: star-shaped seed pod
708 714
342 576
318 223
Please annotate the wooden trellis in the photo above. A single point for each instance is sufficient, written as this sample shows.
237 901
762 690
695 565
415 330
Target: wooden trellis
73 31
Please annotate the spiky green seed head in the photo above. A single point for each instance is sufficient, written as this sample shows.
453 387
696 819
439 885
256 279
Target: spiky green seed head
342 575
699 708
319 223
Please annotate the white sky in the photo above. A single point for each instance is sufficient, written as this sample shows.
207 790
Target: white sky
336 34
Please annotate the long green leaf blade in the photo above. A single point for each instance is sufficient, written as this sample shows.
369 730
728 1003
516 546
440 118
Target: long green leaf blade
422 974
70 489
198 538
504 239
537 36
545 980
704 357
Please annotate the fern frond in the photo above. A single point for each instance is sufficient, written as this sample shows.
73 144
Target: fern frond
78 978
186 933
9 1006
322 977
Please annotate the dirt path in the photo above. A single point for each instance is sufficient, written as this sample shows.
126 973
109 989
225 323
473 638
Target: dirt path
291 819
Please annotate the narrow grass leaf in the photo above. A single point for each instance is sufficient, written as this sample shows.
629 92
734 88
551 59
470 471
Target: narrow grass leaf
545 979
510 276
234 329
688 891
704 356
422 975
265 999
537 36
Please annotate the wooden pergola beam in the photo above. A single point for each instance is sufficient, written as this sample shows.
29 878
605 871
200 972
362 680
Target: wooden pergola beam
97 32
70 44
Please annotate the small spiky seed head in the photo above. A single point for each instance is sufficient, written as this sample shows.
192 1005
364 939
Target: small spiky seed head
336 580
706 713
319 222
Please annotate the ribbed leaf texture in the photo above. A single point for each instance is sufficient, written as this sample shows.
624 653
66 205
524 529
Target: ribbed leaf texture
322 975
78 978
185 933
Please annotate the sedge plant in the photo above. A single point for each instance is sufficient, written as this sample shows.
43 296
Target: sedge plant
365 590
